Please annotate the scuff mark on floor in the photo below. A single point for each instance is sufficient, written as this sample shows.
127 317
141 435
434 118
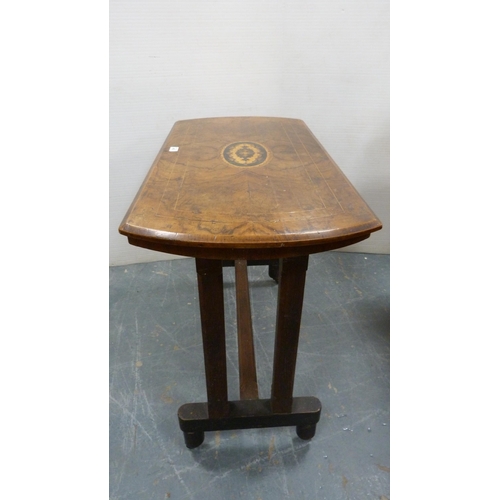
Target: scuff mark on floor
165 397
271 449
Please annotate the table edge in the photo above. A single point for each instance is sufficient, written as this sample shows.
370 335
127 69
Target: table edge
245 250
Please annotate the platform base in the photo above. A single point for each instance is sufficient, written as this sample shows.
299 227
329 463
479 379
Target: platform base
248 414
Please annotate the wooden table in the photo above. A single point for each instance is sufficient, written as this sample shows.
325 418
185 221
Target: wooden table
247 190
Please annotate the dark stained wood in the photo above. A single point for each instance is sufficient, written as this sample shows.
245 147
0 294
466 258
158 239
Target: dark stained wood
194 419
211 293
246 188
246 354
290 297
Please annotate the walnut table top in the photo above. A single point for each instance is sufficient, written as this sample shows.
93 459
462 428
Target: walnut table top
246 188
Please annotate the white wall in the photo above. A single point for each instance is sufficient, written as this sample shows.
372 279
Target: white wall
325 62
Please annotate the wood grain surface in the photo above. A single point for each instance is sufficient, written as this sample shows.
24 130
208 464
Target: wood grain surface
243 188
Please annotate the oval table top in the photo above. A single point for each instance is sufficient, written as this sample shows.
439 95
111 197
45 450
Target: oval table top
246 188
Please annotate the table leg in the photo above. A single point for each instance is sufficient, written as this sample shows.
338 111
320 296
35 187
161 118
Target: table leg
290 298
211 295
246 354
292 279
274 269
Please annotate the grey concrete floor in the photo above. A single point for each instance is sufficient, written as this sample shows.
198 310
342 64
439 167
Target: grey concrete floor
156 365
